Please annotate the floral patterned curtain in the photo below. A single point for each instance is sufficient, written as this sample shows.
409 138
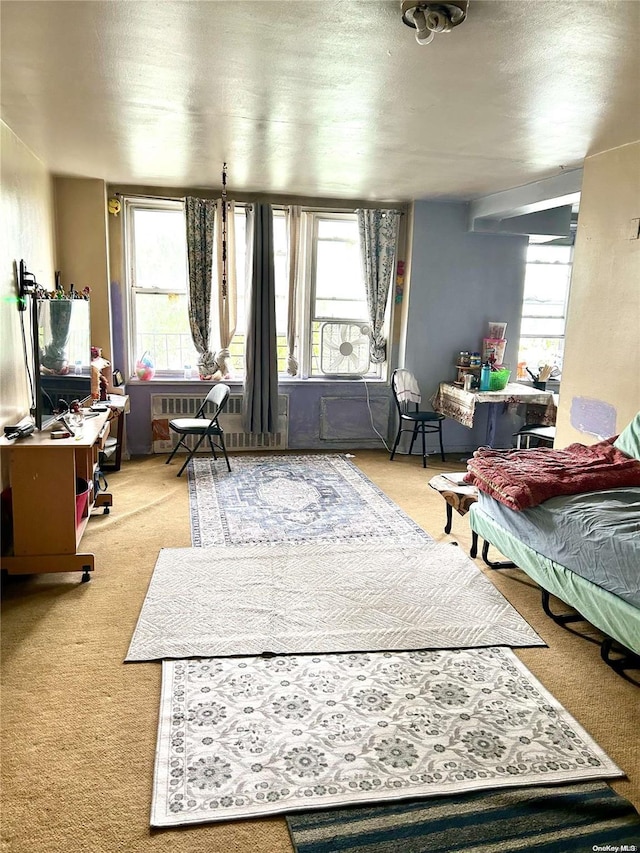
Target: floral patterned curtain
378 239
200 216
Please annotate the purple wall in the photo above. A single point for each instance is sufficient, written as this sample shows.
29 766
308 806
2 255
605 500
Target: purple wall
461 280
322 415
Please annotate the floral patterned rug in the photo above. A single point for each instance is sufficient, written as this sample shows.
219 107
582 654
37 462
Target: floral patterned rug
243 737
276 498
302 598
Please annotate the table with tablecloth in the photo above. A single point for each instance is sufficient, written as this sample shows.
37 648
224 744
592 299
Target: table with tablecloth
454 402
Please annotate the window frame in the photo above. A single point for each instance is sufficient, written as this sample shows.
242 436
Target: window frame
306 286
130 204
306 306
546 336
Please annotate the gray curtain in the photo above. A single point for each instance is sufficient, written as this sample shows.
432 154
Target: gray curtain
378 239
260 411
200 215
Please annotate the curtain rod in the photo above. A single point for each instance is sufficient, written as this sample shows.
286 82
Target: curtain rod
150 197
305 207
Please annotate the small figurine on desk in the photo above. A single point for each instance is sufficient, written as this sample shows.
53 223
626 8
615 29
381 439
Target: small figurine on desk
99 384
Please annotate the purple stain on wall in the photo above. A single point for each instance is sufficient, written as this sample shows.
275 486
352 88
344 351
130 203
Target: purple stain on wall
594 417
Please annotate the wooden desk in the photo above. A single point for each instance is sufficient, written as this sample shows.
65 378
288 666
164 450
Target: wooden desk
460 405
48 515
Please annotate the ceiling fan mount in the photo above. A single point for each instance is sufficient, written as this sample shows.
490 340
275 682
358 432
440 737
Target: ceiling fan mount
427 18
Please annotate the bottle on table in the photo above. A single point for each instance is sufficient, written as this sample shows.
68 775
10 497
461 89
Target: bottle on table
485 377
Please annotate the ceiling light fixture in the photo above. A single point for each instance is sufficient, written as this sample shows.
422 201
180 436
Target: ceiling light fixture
427 19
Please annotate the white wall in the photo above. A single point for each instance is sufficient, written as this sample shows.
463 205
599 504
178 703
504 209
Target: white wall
26 229
600 390
83 248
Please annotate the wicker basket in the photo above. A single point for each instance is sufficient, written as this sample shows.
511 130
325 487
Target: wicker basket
498 379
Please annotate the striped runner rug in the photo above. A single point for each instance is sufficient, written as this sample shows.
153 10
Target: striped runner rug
555 819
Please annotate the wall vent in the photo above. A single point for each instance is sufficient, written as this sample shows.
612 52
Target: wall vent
164 407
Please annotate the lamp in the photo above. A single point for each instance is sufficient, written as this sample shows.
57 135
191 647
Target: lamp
427 19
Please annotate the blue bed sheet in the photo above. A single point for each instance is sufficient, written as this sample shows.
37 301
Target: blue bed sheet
594 534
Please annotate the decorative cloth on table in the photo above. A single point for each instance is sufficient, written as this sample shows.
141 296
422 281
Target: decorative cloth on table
460 405
539 413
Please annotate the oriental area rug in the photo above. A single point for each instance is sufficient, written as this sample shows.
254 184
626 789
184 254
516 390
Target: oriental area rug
553 818
247 737
313 598
275 498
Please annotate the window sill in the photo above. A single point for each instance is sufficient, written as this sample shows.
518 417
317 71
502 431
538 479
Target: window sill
552 384
282 380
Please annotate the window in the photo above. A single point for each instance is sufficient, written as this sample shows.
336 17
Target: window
331 286
157 267
336 281
546 292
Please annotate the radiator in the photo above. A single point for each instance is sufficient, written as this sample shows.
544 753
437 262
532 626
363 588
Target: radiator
164 407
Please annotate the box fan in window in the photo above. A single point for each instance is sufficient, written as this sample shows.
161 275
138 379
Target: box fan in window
344 349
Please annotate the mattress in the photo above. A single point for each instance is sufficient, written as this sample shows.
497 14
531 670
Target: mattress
615 617
594 534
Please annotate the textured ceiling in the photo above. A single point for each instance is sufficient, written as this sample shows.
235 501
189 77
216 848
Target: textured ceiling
319 98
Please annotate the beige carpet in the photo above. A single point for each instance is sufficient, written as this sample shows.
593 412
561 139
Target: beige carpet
79 727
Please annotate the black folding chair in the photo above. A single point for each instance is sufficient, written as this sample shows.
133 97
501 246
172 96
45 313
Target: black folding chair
407 396
202 425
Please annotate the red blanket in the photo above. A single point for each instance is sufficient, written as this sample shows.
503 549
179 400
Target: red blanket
523 478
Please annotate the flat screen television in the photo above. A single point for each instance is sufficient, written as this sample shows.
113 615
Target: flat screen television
62 355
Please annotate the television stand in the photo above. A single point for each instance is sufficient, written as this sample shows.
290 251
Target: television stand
52 497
